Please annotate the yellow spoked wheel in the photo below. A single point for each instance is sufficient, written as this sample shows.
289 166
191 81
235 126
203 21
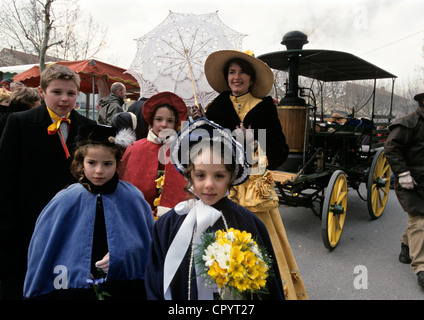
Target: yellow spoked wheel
334 209
378 185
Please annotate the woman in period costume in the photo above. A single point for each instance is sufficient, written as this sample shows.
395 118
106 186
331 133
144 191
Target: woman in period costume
146 161
243 107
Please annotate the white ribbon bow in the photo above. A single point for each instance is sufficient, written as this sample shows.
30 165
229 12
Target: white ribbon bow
203 216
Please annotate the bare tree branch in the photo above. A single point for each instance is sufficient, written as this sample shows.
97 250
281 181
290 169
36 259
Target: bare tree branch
56 27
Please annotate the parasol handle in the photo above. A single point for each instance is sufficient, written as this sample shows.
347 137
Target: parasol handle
192 79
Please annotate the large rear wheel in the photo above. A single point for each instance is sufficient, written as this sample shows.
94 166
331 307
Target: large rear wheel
334 209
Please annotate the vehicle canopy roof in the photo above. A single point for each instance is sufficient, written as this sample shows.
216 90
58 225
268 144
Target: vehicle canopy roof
326 65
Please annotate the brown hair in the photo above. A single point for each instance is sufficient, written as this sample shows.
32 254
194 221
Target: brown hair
77 165
228 166
245 66
58 71
24 98
4 94
170 108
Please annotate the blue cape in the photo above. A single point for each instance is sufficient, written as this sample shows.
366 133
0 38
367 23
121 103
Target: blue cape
59 255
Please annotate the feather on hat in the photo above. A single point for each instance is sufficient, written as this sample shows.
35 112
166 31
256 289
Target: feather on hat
102 134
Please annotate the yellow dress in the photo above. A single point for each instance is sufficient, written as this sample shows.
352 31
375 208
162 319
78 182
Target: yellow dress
258 195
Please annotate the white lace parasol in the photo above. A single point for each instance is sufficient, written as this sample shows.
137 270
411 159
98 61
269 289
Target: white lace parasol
172 56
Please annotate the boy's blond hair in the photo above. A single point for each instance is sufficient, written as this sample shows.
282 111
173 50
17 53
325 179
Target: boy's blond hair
58 71
4 94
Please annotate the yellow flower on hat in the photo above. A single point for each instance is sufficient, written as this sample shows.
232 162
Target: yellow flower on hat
249 52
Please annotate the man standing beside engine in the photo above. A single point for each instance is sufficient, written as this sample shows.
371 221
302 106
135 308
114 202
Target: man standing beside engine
404 150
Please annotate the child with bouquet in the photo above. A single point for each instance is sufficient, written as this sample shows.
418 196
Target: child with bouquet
180 265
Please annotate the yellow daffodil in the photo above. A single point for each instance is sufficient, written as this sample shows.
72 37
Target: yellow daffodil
236 254
261 281
218 274
156 201
252 273
250 259
241 285
160 181
236 270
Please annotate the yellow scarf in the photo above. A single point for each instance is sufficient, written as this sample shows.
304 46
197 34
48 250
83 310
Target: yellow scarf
55 126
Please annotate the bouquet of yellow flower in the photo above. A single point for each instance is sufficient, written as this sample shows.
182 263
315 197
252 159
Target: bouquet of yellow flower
235 262
159 185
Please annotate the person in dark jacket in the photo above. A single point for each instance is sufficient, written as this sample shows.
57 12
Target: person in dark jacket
6 84
142 128
124 120
404 150
4 101
111 104
22 99
35 157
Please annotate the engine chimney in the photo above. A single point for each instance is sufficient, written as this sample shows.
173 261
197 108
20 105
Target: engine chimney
293 40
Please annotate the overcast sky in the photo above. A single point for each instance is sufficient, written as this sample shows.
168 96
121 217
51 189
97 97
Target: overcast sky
387 33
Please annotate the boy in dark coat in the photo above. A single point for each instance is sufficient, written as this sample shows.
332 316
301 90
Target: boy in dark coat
35 157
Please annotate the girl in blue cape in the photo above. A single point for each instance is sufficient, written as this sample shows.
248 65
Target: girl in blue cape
93 237
212 162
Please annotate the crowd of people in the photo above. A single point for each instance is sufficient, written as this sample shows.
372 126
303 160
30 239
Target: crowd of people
117 208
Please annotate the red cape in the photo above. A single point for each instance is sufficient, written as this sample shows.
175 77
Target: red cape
140 166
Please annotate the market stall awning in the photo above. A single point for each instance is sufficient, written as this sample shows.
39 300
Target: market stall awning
88 71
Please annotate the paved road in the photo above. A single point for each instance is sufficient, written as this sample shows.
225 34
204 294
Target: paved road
371 246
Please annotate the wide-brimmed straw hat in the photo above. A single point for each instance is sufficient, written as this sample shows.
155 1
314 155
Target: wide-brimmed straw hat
167 98
214 71
200 133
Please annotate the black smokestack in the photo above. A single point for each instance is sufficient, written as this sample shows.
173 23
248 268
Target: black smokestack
294 40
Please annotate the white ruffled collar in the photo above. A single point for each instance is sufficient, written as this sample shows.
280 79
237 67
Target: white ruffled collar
152 137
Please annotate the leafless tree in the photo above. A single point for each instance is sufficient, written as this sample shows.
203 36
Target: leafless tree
50 26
